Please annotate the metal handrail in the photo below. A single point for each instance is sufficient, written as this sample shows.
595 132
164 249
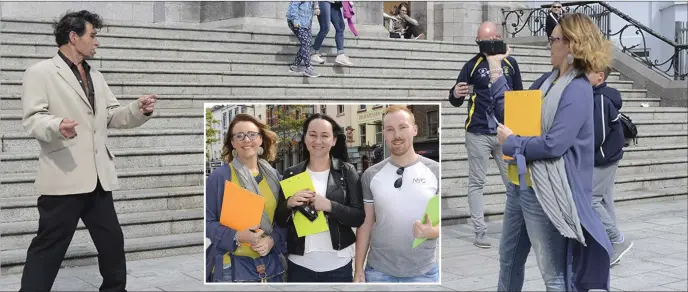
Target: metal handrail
534 20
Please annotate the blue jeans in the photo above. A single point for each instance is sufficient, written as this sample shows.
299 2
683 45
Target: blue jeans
330 14
526 224
375 276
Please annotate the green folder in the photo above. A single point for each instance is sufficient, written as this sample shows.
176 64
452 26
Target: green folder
433 210
290 186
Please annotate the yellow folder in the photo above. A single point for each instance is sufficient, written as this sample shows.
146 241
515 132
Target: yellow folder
290 186
433 210
523 112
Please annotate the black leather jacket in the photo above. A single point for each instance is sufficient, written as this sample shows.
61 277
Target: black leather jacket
344 191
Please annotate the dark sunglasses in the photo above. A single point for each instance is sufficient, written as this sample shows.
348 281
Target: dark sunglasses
399 181
556 6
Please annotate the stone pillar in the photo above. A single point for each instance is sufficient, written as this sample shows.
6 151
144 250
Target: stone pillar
419 12
177 12
271 17
459 21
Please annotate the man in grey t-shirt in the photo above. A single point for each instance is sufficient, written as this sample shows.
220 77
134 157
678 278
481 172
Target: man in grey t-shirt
396 192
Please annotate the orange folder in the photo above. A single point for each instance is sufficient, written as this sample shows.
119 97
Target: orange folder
523 112
241 209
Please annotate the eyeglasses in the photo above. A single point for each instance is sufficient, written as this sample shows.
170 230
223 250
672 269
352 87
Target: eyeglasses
553 39
241 136
399 181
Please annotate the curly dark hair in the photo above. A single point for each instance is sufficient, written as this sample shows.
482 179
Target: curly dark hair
75 22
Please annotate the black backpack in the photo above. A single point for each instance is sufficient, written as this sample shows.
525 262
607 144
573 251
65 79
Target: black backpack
629 129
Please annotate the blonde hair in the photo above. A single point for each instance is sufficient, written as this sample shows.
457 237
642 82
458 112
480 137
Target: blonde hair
269 139
591 51
395 108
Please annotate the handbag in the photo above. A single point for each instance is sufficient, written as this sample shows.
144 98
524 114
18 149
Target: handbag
629 129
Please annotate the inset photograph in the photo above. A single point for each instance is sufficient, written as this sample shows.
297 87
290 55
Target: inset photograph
322 193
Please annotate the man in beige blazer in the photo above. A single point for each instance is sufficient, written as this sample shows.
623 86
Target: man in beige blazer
68 107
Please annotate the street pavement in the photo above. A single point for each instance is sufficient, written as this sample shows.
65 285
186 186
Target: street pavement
657 262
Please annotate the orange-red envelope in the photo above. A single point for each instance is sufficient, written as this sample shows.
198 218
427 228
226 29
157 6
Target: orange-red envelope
523 112
241 209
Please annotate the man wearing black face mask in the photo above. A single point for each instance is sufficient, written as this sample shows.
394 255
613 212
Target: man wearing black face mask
481 128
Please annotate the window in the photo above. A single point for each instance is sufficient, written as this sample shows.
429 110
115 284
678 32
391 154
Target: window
378 133
362 108
433 123
323 109
260 117
269 117
362 131
340 110
224 121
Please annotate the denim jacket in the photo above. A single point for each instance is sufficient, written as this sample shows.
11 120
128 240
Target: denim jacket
301 12
222 238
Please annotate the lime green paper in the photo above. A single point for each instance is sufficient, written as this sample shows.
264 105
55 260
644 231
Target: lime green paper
290 186
433 210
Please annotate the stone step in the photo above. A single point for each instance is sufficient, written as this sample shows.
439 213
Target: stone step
11 120
453 130
20 209
669 151
456 145
461 215
186 32
633 98
281 76
195 102
22 142
135 248
264 62
382 46
22 184
239 50
453 114
17 235
124 158
455 171
627 182
13 87
453 196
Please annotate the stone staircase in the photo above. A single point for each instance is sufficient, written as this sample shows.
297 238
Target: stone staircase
160 165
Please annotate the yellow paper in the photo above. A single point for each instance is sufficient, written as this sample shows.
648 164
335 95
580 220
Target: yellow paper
433 210
290 186
523 112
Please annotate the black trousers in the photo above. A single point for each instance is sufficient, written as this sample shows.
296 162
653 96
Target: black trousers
299 274
59 216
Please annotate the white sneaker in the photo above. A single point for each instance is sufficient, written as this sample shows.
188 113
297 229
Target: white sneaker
343 60
317 59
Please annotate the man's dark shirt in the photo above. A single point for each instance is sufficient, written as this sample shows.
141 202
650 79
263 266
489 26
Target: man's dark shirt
88 87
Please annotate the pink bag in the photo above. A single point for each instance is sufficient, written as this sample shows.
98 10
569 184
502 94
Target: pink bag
348 12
